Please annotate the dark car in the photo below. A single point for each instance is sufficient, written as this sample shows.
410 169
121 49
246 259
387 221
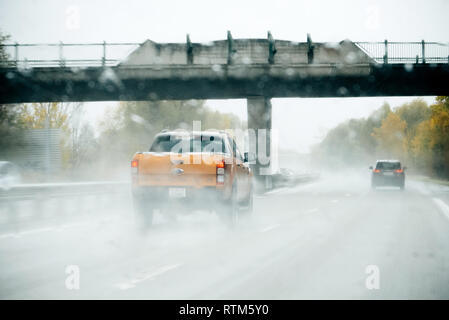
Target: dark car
388 173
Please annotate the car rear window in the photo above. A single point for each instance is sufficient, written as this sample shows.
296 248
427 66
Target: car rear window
388 165
203 143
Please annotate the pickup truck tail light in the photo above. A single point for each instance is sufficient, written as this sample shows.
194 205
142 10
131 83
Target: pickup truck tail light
376 170
134 166
399 170
220 172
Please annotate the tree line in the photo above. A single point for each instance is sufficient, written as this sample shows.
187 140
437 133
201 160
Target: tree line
415 133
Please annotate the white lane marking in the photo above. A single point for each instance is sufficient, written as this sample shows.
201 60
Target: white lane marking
347 195
312 210
68 226
334 201
47 229
270 228
276 191
9 235
133 282
24 233
443 206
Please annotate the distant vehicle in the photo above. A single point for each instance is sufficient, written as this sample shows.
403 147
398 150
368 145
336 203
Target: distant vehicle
284 177
9 175
388 173
200 170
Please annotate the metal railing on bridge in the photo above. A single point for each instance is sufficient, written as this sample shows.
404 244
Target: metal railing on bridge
60 54
110 54
406 52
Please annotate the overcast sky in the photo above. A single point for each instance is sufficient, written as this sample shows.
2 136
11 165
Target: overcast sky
301 122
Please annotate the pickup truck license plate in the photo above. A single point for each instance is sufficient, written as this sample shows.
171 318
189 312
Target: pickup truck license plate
388 173
177 192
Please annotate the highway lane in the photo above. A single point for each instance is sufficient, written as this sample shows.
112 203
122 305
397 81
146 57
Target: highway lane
312 241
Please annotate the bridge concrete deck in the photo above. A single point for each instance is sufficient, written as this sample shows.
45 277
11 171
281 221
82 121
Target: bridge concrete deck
221 81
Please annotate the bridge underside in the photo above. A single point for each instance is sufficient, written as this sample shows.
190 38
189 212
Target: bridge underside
221 82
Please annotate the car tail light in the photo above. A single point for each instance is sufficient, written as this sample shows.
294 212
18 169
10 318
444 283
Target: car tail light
399 170
220 172
376 170
134 166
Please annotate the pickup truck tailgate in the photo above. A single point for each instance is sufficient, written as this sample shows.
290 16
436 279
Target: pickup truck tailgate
166 169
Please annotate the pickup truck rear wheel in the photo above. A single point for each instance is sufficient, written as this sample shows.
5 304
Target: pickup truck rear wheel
143 211
230 210
247 209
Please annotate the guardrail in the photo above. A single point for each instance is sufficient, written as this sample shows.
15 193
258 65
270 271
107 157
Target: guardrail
45 190
281 180
104 54
46 204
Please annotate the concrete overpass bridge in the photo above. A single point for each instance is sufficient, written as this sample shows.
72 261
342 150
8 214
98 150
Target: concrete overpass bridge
255 69
225 69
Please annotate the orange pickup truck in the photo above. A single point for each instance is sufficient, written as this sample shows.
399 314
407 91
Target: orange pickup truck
192 170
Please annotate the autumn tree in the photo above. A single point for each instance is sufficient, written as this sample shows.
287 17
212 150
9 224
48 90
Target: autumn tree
11 130
53 115
3 53
413 113
421 146
11 127
413 132
391 137
439 128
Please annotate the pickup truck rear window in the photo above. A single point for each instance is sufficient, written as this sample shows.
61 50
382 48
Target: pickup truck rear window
169 143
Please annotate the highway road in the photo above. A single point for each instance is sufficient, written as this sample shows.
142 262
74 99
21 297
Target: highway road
330 239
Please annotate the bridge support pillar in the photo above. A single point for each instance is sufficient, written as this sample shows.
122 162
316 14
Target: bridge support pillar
259 140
